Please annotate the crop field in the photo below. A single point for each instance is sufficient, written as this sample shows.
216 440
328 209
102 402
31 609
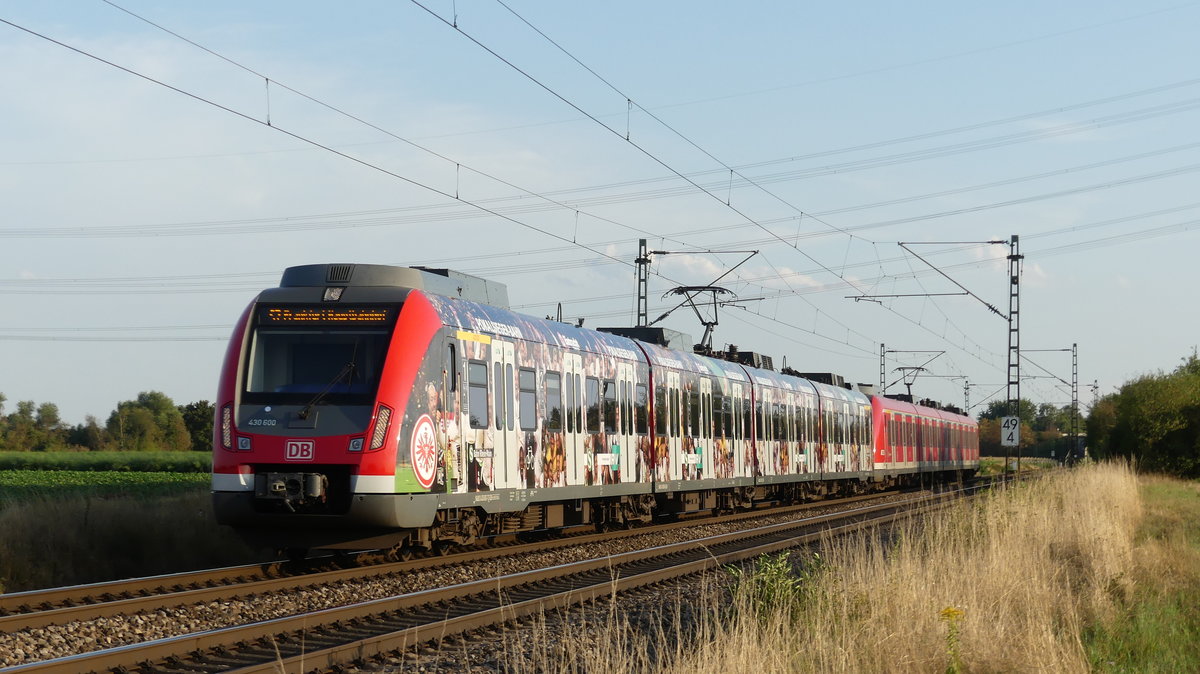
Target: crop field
174 462
24 485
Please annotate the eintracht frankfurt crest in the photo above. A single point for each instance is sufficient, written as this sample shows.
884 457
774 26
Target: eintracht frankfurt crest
424 451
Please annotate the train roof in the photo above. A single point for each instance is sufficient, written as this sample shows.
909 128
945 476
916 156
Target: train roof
886 403
493 320
444 282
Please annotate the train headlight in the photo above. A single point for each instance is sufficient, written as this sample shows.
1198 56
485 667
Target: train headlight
227 427
356 445
244 444
382 419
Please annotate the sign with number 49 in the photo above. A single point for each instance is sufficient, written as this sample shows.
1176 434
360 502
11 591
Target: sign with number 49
1010 431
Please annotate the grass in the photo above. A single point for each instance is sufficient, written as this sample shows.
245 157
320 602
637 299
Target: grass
1092 569
104 538
108 519
174 462
1157 626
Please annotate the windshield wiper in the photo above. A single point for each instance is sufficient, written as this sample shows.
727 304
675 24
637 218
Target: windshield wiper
347 369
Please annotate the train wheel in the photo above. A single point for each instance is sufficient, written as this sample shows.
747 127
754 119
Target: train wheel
296 555
400 553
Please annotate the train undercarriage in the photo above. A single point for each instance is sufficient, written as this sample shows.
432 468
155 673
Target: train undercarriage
468 526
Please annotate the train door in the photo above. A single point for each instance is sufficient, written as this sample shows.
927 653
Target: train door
825 426
506 439
792 419
623 444
674 426
806 433
705 454
736 430
766 443
572 391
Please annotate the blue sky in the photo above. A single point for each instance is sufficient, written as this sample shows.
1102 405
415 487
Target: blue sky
138 220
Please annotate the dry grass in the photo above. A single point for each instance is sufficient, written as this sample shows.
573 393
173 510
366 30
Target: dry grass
1007 583
1021 572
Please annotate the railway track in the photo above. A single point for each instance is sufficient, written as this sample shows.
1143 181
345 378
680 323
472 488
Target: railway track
57 606
337 635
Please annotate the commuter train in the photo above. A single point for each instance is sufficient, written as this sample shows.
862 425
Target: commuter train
379 406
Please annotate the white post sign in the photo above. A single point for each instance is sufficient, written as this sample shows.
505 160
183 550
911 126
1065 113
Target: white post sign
1010 431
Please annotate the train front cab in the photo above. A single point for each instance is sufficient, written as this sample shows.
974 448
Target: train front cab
309 399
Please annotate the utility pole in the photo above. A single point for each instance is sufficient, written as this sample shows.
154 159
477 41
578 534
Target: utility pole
882 369
643 275
1014 340
1074 402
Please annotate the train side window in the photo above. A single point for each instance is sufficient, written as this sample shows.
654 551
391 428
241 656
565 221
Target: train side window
571 405
727 415
477 394
451 369
498 394
508 397
527 402
578 408
747 418
554 420
609 411
628 415
640 400
693 413
762 419
720 408
592 401
660 410
673 427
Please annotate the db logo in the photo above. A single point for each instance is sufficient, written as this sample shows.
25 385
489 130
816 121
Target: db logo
299 450
424 451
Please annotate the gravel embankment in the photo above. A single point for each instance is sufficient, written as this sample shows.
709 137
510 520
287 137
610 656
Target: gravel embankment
82 636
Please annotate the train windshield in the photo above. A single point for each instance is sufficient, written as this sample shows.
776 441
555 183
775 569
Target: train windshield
294 361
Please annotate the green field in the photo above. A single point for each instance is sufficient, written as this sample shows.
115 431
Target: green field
172 462
17 486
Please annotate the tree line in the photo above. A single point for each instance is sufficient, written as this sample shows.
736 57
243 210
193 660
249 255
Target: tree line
151 422
1153 420
1045 428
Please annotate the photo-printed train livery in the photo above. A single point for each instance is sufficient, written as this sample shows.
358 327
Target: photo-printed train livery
378 406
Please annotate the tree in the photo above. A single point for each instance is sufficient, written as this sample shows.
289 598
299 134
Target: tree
21 434
199 418
150 423
88 435
1154 419
999 408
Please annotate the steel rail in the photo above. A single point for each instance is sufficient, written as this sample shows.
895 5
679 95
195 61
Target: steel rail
493 599
57 606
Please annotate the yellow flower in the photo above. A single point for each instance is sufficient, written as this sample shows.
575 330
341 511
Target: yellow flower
951 614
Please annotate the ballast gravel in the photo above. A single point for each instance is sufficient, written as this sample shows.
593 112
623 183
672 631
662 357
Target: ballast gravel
55 641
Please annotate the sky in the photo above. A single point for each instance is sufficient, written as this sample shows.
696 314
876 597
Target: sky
164 162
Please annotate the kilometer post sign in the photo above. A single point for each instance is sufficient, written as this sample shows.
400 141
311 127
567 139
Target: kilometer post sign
1010 431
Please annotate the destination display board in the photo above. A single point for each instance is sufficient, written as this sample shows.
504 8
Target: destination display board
318 314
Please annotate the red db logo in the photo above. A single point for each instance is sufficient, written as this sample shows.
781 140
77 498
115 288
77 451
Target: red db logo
299 450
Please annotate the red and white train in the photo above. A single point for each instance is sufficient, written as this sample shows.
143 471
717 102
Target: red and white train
369 405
